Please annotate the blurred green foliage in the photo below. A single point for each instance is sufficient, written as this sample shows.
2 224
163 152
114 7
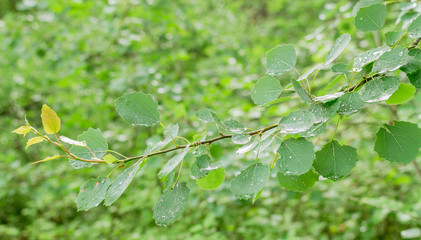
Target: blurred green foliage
79 56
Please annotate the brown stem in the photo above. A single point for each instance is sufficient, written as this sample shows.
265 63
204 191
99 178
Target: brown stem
209 141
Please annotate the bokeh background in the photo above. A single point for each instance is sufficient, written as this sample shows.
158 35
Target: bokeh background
79 56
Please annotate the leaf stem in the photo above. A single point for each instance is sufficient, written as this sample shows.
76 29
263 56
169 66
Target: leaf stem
336 128
374 117
166 129
399 39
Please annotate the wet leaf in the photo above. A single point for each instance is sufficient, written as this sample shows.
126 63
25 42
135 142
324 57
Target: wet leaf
173 162
266 89
171 205
234 126
241 138
206 115
138 108
350 103
367 57
334 161
301 92
297 156
121 182
337 48
390 61
414 29
296 122
379 89
281 59
250 181
201 167
92 193
173 132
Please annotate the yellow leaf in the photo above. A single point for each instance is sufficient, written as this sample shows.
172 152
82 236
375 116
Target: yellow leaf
22 130
50 120
33 141
47 159
109 158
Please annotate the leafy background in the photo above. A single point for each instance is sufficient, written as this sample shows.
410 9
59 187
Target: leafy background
78 57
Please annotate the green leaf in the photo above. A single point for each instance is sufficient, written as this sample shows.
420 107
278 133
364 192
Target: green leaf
310 71
315 130
399 142
33 141
337 48
379 89
362 4
212 180
92 193
72 142
281 59
121 182
241 138
206 115
350 103
334 161
298 183
415 78
296 122
200 150
412 65
390 61
173 162
329 97
367 57
370 18
301 92
339 68
297 156
250 181
324 111
171 204
48 159
393 37
95 141
234 126
173 132
266 89
138 108
201 167
110 159
404 93
22 130
50 120
414 29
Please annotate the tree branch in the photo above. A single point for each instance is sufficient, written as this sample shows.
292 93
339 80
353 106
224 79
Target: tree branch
209 141
252 133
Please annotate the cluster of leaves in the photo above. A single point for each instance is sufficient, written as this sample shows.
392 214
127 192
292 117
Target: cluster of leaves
297 165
